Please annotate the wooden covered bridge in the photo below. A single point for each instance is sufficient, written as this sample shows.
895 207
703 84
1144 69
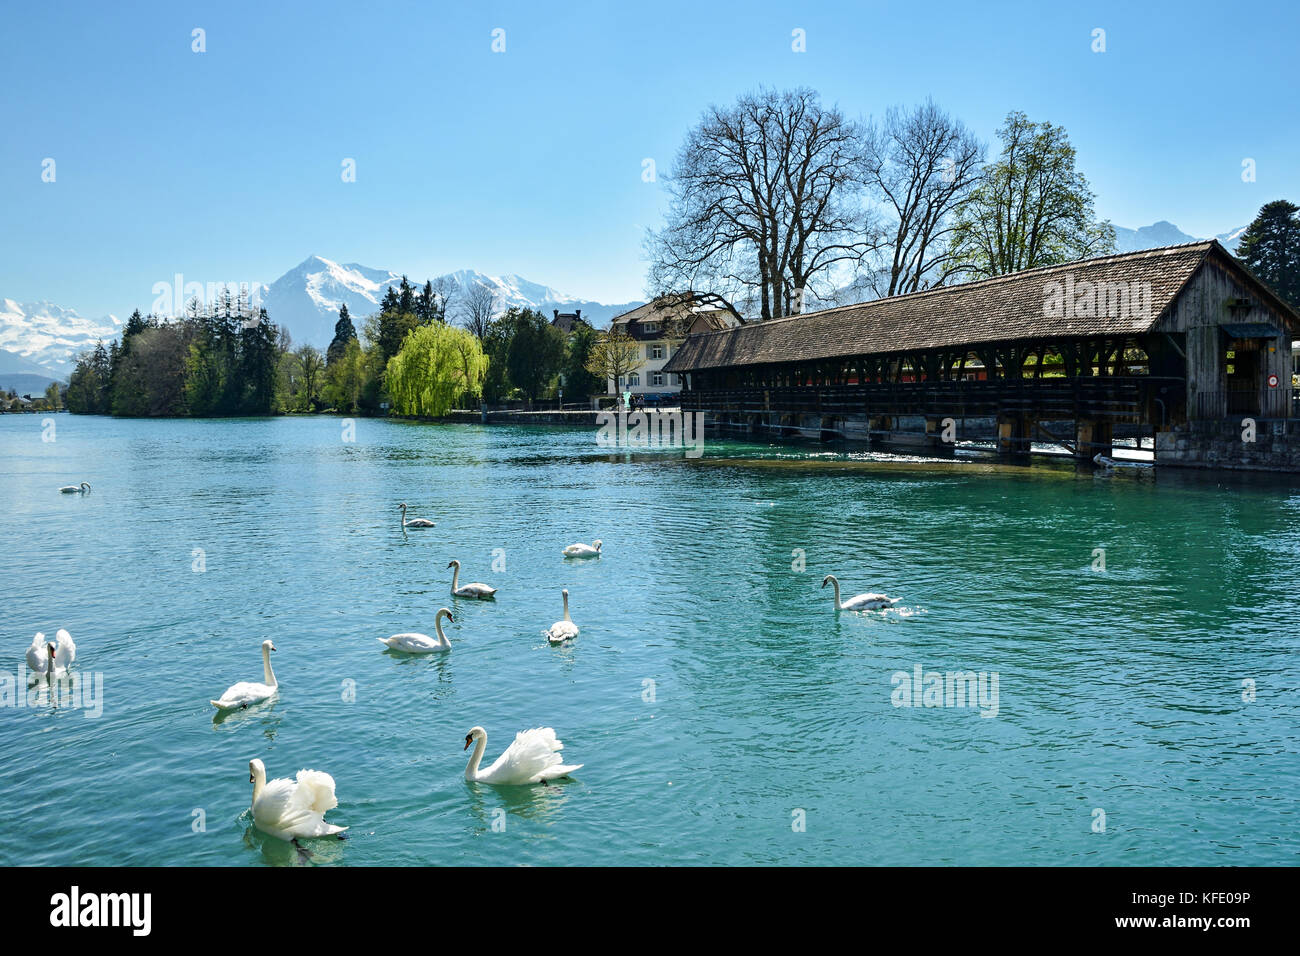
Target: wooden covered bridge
1155 339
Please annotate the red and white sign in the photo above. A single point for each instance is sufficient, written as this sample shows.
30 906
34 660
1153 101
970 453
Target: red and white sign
1272 381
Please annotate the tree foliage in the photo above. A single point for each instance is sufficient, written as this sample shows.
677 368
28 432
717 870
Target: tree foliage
1270 248
437 366
1032 207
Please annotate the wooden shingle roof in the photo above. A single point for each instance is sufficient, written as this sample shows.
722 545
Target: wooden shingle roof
1002 309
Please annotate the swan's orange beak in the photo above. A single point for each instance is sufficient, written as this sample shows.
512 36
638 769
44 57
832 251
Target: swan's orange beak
468 739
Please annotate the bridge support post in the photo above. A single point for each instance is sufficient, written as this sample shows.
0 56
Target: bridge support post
1092 437
880 423
1014 432
934 434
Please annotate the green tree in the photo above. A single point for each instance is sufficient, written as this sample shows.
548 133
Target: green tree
578 379
345 379
1270 248
536 352
437 365
1030 208
344 332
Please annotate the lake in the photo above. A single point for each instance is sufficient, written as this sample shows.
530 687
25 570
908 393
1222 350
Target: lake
1139 632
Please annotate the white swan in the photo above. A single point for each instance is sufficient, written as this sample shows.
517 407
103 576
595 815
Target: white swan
288 809
859 602
245 692
414 522
48 658
563 629
413 643
583 550
475 590
533 757
80 489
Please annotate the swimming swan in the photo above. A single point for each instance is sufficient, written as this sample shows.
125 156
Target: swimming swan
48 658
80 489
475 590
250 692
288 809
564 629
413 643
859 602
533 757
414 522
583 550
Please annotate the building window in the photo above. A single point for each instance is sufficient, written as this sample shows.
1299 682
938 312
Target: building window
649 326
656 351
657 378
633 380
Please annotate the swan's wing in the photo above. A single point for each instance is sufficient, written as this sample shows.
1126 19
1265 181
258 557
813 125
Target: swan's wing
532 753
412 642
66 651
37 656
559 770
272 809
562 631
316 791
869 599
245 692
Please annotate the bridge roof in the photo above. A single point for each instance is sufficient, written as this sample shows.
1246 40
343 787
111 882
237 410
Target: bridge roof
1005 308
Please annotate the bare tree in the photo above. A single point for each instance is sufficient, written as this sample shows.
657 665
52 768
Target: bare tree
614 356
478 307
923 164
765 203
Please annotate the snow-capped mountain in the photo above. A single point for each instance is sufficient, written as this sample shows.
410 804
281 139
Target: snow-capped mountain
307 298
50 336
1164 233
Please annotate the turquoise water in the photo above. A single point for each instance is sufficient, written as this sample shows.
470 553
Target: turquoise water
1118 691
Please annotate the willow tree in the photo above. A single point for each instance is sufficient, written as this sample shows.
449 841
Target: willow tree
436 365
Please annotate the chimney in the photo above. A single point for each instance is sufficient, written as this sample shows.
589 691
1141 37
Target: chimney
556 312
577 314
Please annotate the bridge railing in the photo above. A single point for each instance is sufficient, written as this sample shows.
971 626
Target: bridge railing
1111 398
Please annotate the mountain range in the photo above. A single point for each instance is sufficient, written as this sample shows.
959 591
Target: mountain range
41 338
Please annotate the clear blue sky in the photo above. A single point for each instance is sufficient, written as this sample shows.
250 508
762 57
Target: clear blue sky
225 165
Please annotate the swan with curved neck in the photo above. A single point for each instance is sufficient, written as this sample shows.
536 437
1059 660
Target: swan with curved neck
533 757
288 809
51 658
859 602
563 629
475 590
414 643
247 693
80 489
583 550
414 522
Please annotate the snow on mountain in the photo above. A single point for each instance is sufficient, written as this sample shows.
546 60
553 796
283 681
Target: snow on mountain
1164 233
306 299
1231 238
50 336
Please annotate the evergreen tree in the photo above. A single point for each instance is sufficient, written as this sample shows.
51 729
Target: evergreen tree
1270 248
344 332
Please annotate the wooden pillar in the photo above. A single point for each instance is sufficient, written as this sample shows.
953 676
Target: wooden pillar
1092 437
1014 431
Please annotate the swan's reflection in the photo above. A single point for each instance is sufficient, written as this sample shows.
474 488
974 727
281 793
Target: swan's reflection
263 713
307 852
533 802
